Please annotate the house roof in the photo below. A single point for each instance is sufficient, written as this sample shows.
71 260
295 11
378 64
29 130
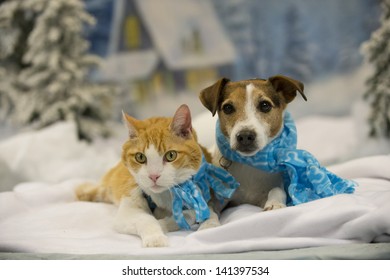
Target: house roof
171 22
129 65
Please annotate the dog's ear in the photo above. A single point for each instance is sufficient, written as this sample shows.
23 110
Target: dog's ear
210 96
287 86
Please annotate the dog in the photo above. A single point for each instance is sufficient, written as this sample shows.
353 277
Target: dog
251 114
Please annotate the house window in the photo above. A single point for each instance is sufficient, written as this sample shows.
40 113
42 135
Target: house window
198 78
191 39
132 32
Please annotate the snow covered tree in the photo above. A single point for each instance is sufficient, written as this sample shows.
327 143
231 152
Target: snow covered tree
296 62
44 68
377 51
14 30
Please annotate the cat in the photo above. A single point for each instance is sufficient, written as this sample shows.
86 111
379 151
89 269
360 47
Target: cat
160 153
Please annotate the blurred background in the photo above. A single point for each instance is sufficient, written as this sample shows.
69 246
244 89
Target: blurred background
87 60
164 52
158 54
69 67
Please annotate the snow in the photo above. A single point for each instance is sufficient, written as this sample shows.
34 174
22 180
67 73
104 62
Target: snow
332 95
55 154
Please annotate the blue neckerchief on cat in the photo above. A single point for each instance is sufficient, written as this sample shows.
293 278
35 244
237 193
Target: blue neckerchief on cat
195 192
304 179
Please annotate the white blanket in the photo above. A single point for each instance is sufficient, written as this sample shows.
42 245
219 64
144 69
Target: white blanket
46 218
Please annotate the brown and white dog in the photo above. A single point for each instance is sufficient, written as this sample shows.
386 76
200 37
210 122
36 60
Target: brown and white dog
251 115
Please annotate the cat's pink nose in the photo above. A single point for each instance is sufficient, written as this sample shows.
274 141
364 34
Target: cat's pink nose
154 177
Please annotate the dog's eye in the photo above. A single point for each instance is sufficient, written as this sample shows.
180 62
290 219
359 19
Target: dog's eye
265 106
228 109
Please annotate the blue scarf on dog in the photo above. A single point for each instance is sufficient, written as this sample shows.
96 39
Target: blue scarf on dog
195 192
304 178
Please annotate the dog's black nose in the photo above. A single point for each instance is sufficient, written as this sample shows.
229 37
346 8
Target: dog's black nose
246 137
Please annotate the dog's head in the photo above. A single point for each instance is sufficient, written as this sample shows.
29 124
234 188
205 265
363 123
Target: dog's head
250 111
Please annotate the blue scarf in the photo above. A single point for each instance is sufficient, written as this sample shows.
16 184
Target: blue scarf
195 192
304 178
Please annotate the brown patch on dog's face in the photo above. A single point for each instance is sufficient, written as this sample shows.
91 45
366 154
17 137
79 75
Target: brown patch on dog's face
234 96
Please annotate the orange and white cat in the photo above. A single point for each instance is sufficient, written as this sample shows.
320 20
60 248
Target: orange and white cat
159 154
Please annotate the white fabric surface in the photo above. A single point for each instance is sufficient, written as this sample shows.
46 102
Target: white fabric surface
46 218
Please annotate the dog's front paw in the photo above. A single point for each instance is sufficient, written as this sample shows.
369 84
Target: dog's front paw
210 223
156 240
273 205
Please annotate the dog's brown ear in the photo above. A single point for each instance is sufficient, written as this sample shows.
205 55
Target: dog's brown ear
287 86
210 96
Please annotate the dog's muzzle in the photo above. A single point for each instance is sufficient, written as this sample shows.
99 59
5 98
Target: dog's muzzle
246 141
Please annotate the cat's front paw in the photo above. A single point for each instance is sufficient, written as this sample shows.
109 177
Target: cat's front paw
273 205
156 240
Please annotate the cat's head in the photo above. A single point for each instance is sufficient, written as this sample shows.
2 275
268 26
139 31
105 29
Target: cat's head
161 152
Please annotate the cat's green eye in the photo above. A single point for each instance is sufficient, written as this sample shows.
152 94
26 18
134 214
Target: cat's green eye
140 157
170 156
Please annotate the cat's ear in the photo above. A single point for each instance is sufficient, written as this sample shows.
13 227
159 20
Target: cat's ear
130 124
181 122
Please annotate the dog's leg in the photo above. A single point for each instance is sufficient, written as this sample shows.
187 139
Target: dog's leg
276 199
211 222
169 224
